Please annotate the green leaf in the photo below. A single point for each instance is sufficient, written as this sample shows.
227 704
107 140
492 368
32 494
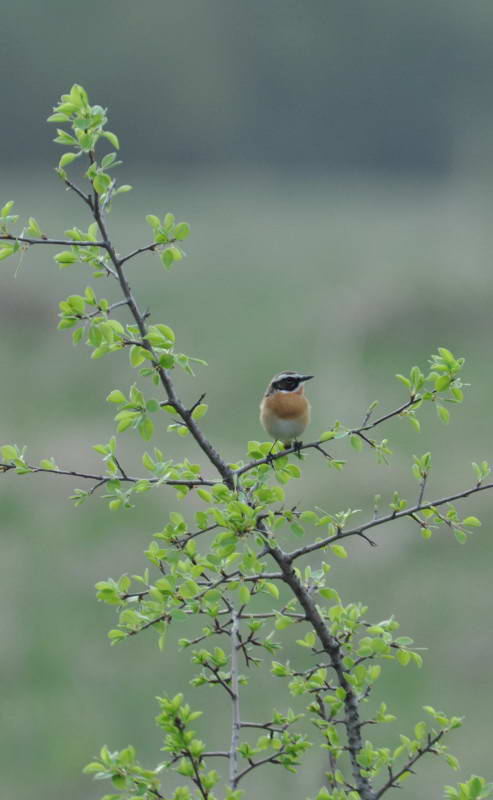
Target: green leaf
407 383
116 396
356 443
443 413
5 252
66 159
9 452
339 550
33 228
101 182
244 594
329 594
113 138
47 464
146 428
272 588
136 356
442 383
166 258
471 522
199 411
297 529
65 258
153 221
166 331
182 230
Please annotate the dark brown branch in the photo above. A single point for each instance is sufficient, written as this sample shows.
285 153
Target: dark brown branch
264 726
108 310
85 197
392 782
64 242
235 700
407 512
316 444
147 248
102 479
333 649
274 759
212 454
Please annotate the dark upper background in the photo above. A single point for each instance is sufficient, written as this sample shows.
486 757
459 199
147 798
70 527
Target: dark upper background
334 161
340 85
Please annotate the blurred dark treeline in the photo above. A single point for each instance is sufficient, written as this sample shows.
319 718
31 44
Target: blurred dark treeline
381 86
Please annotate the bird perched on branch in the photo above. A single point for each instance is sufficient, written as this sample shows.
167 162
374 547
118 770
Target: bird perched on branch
285 410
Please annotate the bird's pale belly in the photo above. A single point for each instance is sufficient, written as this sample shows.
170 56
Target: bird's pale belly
285 429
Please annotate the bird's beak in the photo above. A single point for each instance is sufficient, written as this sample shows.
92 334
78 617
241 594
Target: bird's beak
307 377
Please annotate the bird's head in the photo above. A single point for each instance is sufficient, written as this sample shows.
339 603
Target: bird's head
288 381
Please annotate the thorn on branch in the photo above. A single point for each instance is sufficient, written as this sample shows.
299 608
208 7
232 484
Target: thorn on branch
197 403
367 539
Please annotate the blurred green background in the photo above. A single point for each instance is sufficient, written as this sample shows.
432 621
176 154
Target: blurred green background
334 161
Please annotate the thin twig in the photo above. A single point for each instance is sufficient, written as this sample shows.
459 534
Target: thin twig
85 197
146 248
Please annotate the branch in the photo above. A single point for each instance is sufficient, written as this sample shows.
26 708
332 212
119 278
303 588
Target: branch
102 479
296 448
213 456
332 647
138 251
274 759
235 701
392 781
85 197
65 242
407 512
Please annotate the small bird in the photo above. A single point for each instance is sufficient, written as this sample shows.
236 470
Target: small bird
284 410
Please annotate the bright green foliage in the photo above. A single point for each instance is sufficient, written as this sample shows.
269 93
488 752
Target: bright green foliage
474 789
235 563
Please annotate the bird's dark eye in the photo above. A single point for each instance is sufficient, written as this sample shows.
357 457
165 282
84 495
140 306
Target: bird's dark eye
288 384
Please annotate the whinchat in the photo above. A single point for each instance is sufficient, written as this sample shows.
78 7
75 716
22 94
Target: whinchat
285 410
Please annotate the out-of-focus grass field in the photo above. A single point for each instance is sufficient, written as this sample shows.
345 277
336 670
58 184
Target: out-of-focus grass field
351 280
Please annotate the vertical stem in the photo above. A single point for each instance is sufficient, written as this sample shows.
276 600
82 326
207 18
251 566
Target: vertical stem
332 647
235 701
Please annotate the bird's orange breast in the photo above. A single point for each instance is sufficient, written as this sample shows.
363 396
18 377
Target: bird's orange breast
287 405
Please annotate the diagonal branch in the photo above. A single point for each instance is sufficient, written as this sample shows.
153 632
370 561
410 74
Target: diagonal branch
332 647
222 467
296 448
392 782
374 523
147 248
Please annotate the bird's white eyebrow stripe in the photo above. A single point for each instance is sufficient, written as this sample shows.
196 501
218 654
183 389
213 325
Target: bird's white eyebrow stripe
284 375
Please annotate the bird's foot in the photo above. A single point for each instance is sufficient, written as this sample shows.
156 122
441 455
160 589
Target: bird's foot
297 446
